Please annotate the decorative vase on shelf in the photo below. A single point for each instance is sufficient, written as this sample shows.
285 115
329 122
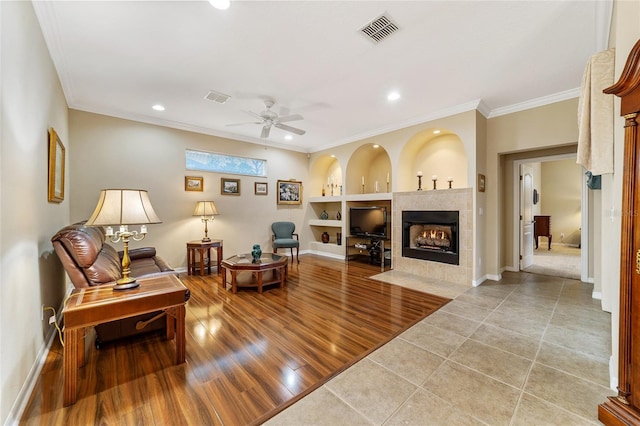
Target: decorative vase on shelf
325 237
256 253
339 215
324 215
339 238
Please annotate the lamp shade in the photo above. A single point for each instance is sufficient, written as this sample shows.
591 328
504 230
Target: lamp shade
123 207
205 208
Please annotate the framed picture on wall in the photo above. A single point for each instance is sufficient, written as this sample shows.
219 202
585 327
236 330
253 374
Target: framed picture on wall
261 188
56 168
194 183
229 186
289 192
481 183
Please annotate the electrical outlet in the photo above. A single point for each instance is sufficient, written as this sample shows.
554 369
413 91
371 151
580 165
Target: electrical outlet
42 312
52 319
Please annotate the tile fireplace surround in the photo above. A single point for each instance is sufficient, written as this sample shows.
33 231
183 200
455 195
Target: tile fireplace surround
442 199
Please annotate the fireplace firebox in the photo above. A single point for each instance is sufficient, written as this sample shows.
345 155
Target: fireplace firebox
431 235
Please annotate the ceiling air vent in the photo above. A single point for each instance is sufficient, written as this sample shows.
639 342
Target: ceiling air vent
217 97
380 28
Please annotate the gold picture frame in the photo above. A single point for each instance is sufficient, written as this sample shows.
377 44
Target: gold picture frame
261 188
289 192
481 182
229 186
194 183
56 167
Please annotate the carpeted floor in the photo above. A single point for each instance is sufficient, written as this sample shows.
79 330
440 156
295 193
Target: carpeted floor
560 261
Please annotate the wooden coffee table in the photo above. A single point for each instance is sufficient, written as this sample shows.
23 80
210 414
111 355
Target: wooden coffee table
271 269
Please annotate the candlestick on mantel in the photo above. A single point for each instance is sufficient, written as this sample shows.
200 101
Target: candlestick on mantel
434 178
376 186
450 180
419 181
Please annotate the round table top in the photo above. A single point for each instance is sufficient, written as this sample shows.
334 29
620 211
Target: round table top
244 261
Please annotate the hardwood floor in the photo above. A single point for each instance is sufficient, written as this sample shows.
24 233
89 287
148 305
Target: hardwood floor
249 355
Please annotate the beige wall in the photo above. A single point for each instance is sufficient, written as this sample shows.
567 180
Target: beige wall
561 198
114 153
30 274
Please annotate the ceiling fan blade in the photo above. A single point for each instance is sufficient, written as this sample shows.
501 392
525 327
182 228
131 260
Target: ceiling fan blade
292 117
290 129
265 132
253 114
242 124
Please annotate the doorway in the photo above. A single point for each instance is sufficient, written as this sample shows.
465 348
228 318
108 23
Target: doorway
551 189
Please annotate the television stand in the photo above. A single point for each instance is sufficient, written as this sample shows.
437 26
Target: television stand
375 250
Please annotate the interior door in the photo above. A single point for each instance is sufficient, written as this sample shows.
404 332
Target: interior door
526 216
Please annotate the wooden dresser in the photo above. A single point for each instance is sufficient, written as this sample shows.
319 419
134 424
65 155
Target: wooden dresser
542 228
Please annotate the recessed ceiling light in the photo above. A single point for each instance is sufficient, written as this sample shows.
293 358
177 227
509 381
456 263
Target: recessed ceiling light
376 146
333 156
220 4
158 107
436 132
288 137
393 96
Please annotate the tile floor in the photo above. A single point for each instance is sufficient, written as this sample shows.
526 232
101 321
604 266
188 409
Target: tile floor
528 350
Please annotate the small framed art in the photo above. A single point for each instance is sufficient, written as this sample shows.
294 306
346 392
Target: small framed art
229 186
261 188
289 192
194 183
481 183
56 167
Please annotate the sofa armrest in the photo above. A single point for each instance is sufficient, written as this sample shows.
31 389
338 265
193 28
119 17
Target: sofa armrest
140 253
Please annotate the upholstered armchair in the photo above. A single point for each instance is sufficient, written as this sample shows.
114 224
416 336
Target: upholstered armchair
283 237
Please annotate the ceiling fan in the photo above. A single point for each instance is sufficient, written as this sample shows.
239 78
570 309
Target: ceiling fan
270 119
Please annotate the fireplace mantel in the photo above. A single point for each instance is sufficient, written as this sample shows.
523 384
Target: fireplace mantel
460 200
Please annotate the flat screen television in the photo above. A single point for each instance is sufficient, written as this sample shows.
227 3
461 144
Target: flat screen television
368 221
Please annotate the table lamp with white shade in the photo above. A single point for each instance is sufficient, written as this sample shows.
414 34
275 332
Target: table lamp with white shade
121 208
206 210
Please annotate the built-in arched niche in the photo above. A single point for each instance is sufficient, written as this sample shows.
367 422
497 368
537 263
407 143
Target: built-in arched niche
435 153
369 170
325 173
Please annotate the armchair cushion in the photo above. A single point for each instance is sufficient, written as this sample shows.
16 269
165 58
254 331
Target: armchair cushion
283 237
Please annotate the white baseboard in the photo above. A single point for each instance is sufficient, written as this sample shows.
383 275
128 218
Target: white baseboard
510 269
325 254
613 375
492 277
17 410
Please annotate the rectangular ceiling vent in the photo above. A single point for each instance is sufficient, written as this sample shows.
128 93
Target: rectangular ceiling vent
379 29
217 97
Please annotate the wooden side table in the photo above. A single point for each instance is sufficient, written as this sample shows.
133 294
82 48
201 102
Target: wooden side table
96 305
203 248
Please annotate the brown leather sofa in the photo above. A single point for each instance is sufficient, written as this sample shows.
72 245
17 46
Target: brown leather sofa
89 262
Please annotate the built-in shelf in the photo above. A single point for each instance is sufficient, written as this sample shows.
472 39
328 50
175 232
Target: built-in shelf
326 222
353 197
330 199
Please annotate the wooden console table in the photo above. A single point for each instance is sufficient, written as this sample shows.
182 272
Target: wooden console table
204 250
96 305
269 262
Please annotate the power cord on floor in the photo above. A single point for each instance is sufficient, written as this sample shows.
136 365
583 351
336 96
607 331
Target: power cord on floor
53 320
